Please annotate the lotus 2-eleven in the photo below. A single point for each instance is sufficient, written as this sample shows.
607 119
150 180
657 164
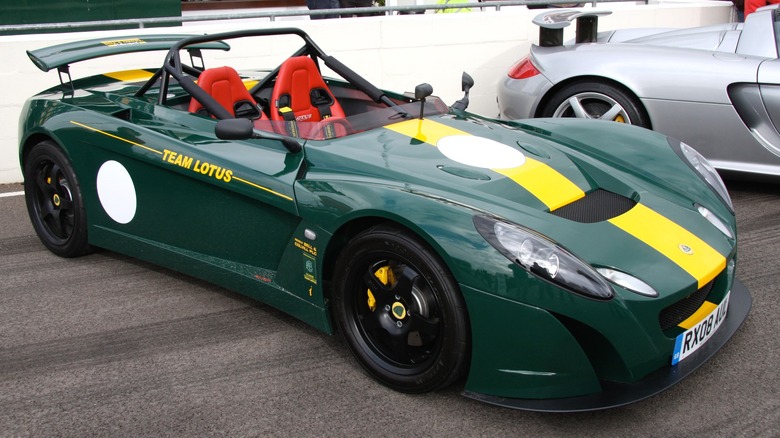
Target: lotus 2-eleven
554 265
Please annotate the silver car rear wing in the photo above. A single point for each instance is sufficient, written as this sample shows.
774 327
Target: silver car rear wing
551 26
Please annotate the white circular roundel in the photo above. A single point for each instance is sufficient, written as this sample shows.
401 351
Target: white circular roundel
116 192
480 152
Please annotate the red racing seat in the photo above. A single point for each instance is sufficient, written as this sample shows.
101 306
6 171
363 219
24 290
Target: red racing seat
301 97
227 88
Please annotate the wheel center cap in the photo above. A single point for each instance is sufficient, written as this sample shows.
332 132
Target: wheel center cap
56 200
399 311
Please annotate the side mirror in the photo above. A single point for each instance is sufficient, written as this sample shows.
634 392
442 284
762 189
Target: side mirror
466 82
420 93
234 129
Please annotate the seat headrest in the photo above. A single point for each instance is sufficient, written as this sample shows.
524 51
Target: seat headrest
226 87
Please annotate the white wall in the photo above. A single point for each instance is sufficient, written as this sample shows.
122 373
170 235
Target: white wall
393 52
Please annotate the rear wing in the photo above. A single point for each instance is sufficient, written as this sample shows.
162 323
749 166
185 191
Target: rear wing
62 55
551 25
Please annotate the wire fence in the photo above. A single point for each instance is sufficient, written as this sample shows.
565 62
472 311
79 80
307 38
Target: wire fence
273 14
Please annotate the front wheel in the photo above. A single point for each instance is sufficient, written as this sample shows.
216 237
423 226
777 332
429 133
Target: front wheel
54 201
596 100
400 311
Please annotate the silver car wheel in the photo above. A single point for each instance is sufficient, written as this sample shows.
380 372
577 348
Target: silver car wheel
590 105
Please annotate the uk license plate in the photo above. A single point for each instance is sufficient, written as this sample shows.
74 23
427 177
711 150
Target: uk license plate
693 338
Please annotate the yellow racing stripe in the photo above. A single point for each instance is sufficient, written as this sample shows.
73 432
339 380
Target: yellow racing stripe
425 130
266 189
544 182
541 180
129 75
107 134
679 245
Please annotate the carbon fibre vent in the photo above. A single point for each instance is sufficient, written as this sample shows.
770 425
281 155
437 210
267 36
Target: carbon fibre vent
597 206
681 310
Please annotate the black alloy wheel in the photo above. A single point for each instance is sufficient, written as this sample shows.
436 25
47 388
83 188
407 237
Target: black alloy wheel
400 311
54 201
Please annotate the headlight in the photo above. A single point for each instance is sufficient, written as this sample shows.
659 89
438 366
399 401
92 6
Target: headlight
705 170
542 257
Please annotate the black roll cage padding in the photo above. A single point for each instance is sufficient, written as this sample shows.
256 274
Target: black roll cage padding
156 76
172 66
363 85
145 87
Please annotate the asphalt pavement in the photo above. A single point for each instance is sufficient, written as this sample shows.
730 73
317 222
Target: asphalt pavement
104 345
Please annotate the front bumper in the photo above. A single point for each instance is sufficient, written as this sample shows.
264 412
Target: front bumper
618 394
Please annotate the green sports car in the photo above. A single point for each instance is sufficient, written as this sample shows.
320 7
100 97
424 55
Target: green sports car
554 265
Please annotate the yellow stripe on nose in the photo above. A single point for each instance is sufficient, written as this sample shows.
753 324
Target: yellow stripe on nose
705 309
553 189
679 245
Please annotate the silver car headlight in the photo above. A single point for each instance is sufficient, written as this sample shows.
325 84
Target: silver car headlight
705 170
542 257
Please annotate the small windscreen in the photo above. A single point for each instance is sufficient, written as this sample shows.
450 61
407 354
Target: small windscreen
340 127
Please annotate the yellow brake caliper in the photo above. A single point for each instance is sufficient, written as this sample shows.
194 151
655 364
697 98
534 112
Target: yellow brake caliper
385 275
620 119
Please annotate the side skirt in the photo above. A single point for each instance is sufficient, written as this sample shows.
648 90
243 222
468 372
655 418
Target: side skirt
254 282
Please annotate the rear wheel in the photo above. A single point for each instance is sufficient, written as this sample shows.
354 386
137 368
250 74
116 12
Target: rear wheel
400 311
596 100
54 201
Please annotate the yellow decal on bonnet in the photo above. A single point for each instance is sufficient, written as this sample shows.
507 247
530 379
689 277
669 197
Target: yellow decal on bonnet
552 188
424 130
129 75
701 260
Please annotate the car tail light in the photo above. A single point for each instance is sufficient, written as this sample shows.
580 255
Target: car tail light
523 69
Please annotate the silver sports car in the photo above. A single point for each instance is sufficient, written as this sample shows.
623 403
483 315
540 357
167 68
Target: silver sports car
716 88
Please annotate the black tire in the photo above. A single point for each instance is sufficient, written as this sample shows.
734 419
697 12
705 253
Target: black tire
592 100
415 336
54 201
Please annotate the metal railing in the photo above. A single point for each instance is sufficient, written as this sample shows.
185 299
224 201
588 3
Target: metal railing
273 14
